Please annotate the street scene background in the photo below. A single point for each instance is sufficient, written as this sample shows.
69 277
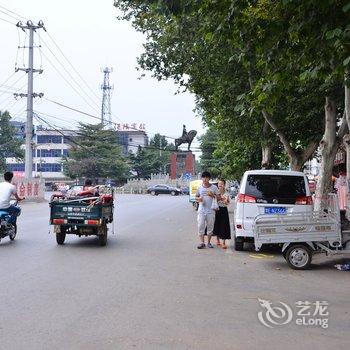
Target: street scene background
150 288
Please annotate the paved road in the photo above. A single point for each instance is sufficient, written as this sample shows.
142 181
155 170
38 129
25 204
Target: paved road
150 288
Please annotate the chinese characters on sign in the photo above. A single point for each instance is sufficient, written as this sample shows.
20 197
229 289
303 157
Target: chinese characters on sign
28 189
132 126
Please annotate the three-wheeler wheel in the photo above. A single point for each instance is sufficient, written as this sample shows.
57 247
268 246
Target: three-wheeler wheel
60 237
298 256
102 235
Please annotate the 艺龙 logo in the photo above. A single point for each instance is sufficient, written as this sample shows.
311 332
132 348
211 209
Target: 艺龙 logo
273 316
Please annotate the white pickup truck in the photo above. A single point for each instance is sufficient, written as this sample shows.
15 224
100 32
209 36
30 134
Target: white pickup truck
303 234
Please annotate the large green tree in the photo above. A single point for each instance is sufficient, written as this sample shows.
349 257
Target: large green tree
254 64
211 48
152 159
144 163
96 154
10 146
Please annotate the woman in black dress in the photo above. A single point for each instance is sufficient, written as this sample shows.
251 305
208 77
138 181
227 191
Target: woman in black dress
222 222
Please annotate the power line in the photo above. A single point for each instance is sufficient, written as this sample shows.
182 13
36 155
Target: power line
12 85
9 97
6 9
77 133
54 117
77 72
16 90
92 116
83 80
70 75
68 82
19 112
5 20
55 128
3 84
13 17
10 104
95 117
75 110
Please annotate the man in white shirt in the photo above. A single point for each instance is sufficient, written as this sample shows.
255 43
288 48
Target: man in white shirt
7 190
206 215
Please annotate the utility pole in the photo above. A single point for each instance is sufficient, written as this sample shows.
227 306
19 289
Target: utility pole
28 167
106 111
160 152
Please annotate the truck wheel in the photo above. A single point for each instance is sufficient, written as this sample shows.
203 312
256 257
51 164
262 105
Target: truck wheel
13 236
102 237
299 257
239 244
60 237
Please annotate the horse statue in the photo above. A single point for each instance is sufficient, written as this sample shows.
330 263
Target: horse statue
187 137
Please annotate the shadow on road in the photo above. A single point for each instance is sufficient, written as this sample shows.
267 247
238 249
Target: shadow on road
88 242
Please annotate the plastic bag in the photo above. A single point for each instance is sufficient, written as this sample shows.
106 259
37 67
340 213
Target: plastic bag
214 204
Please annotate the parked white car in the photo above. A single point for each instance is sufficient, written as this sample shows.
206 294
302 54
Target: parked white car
268 192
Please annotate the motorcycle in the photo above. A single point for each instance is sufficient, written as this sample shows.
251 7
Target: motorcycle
8 224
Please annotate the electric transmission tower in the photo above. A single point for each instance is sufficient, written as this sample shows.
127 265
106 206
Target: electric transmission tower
106 112
28 166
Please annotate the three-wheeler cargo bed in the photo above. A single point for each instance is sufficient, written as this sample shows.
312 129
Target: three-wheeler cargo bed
84 216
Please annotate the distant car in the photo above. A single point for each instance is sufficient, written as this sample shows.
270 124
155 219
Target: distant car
163 189
185 190
112 183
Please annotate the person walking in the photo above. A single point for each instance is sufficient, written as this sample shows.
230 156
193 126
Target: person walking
206 214
222 222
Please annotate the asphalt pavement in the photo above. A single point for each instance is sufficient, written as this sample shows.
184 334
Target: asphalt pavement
150 288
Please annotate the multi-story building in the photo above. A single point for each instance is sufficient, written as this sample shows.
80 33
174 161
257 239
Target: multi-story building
50 146
130 140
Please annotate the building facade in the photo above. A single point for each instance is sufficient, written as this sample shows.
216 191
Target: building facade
51 146
130 140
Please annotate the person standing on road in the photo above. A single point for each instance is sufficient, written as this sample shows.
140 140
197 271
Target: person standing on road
222 222
206 215
7 190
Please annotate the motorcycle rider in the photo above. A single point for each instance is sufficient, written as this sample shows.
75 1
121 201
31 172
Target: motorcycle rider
6 191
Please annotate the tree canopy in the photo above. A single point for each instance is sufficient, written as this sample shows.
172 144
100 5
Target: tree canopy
95 154
261 70
152 159
10 146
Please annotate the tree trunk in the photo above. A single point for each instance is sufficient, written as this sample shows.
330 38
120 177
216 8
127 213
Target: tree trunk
296 162
329 147
347 115
266 147
296 159
266 151
347 137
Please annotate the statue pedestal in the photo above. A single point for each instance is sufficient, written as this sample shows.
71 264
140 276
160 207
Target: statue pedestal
181 162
